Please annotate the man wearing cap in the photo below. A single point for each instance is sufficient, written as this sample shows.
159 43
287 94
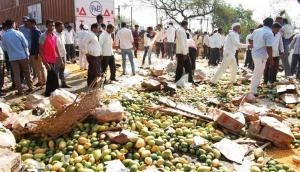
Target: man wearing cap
80 37
34 53
170 40
25 29
262 41
231 44
70 43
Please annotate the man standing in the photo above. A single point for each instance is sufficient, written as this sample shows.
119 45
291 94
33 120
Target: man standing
295 44
92 49
149 37
124 40
262 41
287 33
205 45
108 58
270 73
136 39
170 40
215 45
232 43
16 46
220 31
6 58
34 53
61 59
49 53
249 62
80 37
160 36
70 40
25 29
182 50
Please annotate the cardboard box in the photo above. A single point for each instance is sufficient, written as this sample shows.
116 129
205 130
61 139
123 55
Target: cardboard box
286 89
233 122
113 112
151 85
276 131
10 161
157 72
290 98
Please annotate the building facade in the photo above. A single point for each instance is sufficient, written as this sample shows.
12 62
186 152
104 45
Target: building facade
41 10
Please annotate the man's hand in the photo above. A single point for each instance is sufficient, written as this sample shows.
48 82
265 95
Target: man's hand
48 67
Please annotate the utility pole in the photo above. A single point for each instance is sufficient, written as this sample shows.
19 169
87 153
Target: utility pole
119 16
131 1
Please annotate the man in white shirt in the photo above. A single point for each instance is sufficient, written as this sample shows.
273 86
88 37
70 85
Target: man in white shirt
206 45
220 31
160 36
262 41
61 61
295 44
70 43
232 43
124 40
248 61
170 40
107 55
149 38
287 33
182 50
215 45
80 37
270 73
92 49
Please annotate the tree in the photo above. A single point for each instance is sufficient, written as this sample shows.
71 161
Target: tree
178 10
225 15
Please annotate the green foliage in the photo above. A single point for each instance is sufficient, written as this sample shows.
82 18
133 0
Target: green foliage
225 15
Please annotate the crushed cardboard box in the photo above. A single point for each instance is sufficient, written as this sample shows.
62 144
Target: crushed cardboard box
113 112
234 122
269 128
10 161
151 85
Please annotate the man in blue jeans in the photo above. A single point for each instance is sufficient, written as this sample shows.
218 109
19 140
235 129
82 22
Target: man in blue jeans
124 41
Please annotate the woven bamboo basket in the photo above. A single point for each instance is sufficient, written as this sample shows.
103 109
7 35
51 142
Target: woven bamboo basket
64 121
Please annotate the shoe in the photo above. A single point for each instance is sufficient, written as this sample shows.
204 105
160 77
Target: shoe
2 94
195 84
68 62
65 85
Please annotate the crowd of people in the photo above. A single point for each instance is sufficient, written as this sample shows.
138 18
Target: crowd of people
26 53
